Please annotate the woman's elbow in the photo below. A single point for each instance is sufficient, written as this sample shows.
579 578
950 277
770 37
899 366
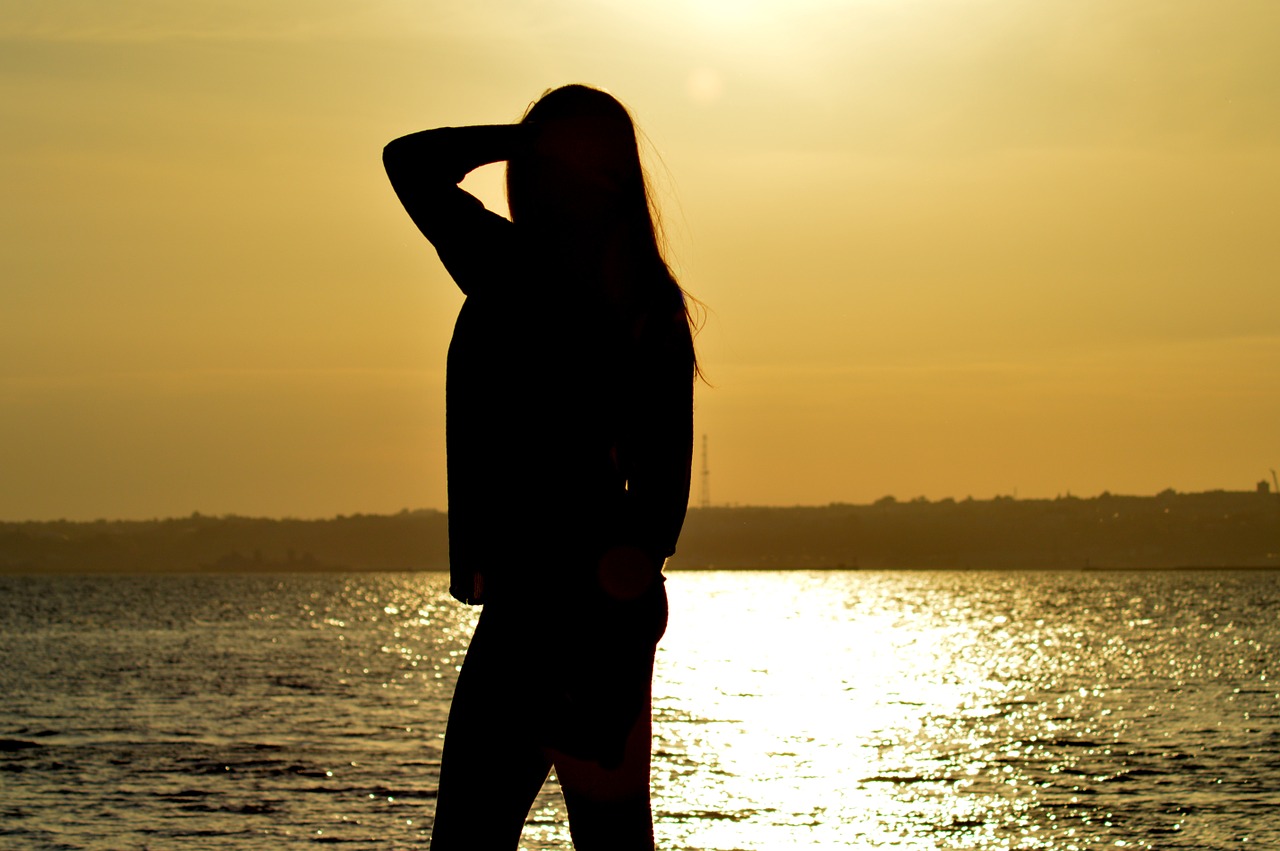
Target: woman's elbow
393 157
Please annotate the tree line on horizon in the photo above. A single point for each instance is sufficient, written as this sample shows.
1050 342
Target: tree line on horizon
1212 529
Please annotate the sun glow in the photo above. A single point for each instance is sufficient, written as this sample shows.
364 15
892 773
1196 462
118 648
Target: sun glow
958 233
729 14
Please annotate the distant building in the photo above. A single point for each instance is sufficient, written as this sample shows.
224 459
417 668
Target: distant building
1264 486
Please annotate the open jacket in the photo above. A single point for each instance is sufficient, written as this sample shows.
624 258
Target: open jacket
569 425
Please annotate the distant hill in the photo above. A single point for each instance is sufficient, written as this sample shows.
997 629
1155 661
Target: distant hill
1214 529
410 540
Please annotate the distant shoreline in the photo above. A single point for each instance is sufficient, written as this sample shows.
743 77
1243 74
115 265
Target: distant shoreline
1169 531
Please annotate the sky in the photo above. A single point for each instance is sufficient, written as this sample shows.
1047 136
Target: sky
947 248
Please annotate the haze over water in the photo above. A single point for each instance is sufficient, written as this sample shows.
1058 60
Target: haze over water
919 710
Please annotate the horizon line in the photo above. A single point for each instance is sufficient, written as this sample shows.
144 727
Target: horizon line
888 499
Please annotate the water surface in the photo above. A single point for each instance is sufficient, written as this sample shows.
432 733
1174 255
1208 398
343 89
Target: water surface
917 710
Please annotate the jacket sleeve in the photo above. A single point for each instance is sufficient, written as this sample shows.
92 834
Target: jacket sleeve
425 169
657 450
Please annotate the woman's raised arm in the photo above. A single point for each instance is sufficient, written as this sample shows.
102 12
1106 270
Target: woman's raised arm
425 169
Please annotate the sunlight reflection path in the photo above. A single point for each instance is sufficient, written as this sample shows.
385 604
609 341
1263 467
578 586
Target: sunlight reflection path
822 706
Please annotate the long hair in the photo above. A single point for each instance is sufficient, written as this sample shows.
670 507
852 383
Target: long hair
583 168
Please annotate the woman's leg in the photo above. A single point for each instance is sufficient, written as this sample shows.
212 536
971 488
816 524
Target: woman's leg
492 767
608 797
609 808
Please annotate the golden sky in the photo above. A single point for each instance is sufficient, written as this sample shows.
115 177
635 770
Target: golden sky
949 247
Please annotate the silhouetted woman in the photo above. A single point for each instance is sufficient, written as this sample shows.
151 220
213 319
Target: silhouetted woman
569 426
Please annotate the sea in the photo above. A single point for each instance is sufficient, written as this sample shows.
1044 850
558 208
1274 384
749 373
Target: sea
793 709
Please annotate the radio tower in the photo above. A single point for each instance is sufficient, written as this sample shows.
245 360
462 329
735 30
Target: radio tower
704 498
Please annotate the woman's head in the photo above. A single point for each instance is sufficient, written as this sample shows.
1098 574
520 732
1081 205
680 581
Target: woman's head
582 164
579 183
